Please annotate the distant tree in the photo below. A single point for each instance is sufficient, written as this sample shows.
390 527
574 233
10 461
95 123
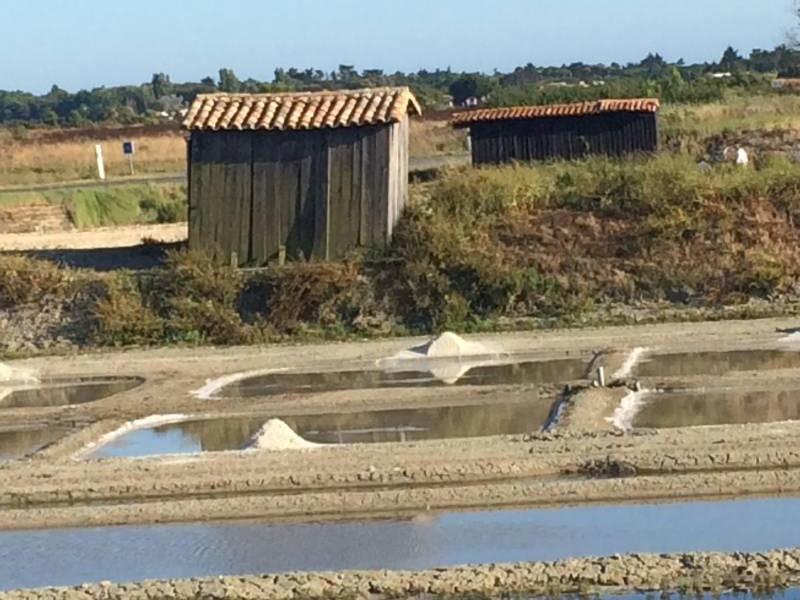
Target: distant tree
731 60
674 86
228 82
346 74
161 84
470 86
208 82
654 65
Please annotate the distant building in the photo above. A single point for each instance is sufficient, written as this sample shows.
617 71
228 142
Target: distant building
786 84
474 102
561 131
297 176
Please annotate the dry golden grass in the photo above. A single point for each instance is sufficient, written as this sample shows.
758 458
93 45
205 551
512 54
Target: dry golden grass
24 162
436 138
32 161
753 113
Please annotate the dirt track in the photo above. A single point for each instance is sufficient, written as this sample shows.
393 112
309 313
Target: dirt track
108 237
583 463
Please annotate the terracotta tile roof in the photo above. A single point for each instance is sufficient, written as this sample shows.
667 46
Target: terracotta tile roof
580 109
310 110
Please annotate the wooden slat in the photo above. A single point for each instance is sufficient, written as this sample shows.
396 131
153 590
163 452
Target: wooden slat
266 242
363 192
305 209
322 203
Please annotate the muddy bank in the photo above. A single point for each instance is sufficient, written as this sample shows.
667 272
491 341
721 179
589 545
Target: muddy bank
589 410
341 482
696 572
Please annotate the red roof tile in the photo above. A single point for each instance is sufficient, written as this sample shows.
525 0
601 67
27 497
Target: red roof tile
580 109
310 110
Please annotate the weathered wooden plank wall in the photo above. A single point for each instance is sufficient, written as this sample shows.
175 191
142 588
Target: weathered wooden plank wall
615 134
220 192
300 195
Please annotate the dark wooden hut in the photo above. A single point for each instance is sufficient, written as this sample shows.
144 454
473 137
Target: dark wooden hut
561 131
297 176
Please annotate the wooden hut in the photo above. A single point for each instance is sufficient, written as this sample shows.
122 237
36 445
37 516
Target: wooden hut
561 131
297 176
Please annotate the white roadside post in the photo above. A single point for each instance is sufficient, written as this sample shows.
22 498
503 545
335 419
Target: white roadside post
101 167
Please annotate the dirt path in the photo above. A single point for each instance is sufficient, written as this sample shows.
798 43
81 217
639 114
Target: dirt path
107 237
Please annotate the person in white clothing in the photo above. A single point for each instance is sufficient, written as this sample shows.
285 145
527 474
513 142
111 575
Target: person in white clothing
742 159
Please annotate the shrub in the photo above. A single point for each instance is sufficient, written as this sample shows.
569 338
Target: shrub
316 293
120 317
26 280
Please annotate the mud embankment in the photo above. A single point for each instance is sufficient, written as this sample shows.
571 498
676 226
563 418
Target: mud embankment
337 483
635 572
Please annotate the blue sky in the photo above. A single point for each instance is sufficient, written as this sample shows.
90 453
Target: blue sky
87 43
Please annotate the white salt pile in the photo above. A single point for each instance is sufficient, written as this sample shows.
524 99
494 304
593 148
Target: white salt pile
277 435
448 358
792 338
447 345
630 362
13 379
213 386
10 374
629 407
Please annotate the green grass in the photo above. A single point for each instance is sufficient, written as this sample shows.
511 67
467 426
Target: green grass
111 206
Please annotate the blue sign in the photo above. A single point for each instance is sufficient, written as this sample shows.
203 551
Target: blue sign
128 148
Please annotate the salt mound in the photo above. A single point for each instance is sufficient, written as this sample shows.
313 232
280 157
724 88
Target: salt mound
450 373
630 362
792 338
627 411
447 345
447 357
277 435
450 345
11 374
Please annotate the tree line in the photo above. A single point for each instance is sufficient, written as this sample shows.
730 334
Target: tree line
161 98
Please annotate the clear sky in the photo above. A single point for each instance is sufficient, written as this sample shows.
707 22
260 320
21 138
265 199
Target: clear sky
88 43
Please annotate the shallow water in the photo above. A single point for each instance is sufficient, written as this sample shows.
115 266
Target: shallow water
788 594
18 444
441 374
715 363
74 556
730 407
68 392
785 594
214 435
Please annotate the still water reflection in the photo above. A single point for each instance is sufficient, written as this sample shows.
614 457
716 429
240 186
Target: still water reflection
74 556
65 393
215 435
729 407
445 373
